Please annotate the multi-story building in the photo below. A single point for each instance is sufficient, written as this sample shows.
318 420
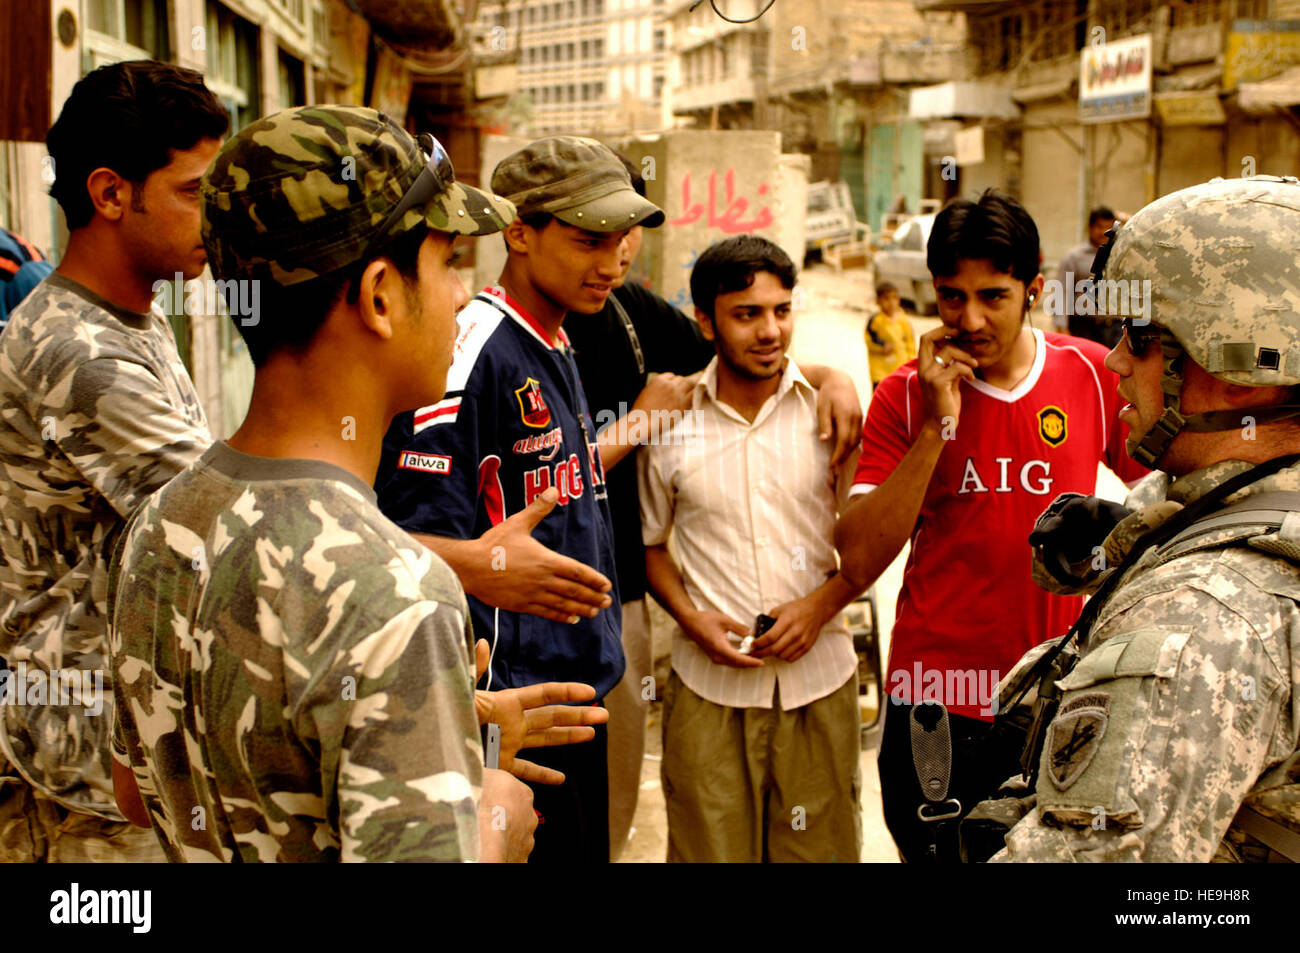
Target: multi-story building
258 56
1223 91
830 75
590 67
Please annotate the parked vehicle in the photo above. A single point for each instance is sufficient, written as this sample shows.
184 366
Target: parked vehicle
901 262
830 215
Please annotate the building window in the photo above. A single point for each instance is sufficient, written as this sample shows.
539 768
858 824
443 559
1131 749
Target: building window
598 47
658 87
139 23
659 41
232 64
292 85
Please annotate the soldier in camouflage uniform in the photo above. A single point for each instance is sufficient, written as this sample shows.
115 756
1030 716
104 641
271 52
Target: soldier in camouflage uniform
96 412
293 671
1176 734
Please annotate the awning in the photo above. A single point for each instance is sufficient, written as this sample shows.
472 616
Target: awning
974 100
1057 89
1267 94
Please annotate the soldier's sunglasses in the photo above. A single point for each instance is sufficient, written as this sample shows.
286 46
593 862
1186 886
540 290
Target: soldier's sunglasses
437 176
1141 336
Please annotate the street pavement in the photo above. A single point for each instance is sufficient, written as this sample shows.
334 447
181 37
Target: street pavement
831 313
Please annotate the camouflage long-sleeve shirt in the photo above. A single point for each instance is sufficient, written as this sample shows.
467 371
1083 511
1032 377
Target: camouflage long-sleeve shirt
96 412
1183 706
292 671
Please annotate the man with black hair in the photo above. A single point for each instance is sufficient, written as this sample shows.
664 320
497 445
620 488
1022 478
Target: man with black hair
294 670
760 728
96 412
638 354
961 450
1075 303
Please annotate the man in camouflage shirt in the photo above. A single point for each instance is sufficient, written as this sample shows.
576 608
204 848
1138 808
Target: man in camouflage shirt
1176 734
293 671
97 413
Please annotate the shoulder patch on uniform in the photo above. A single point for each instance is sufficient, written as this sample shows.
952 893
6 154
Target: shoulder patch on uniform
1075 736
1052 425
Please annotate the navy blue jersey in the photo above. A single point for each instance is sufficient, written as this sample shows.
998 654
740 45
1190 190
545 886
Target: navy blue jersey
514 421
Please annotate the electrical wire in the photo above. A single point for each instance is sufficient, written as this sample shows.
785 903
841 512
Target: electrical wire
714 4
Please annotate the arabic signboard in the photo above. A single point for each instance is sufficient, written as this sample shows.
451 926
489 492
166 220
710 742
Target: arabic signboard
1258 49
1201 108
1115 80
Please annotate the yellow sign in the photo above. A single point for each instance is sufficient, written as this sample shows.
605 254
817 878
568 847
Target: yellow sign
1258 49
1190 109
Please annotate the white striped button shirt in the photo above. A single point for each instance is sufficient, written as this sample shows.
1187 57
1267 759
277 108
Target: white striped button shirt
754 515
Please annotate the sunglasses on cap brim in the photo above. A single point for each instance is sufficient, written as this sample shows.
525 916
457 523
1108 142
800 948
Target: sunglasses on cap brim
435 178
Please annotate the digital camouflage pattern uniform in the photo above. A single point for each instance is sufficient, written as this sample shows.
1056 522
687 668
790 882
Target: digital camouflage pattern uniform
96 412
1183 705
296 674
1181 719
293 671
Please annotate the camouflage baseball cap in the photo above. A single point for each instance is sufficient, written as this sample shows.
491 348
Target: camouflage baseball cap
304 192
580 181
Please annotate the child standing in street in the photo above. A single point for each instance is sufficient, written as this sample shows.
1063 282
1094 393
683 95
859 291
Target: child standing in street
890 342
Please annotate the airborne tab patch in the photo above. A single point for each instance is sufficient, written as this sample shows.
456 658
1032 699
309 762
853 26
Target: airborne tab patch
1075 736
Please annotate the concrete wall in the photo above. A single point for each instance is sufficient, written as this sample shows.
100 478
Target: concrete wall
1190 155
490 251
768 190
1050 176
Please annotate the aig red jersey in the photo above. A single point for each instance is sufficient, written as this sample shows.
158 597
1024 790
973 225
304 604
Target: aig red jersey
969 608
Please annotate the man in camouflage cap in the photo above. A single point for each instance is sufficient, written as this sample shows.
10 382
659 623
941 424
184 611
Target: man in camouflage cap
511 437
1175 737
97 413
294 672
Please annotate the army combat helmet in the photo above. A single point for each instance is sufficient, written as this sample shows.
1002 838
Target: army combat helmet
1223 262
307 191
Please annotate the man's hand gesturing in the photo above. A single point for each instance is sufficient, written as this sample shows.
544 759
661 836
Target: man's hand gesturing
517 573
536 717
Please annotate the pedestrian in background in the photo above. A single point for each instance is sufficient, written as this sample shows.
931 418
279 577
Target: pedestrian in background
890 341
1074 278
22 268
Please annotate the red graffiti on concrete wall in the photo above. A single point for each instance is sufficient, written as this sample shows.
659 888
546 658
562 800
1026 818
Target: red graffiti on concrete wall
731 220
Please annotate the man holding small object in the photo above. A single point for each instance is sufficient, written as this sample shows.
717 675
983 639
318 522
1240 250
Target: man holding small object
760 724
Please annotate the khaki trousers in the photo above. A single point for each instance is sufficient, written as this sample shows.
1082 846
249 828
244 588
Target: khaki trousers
37 829
628 708
762 784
